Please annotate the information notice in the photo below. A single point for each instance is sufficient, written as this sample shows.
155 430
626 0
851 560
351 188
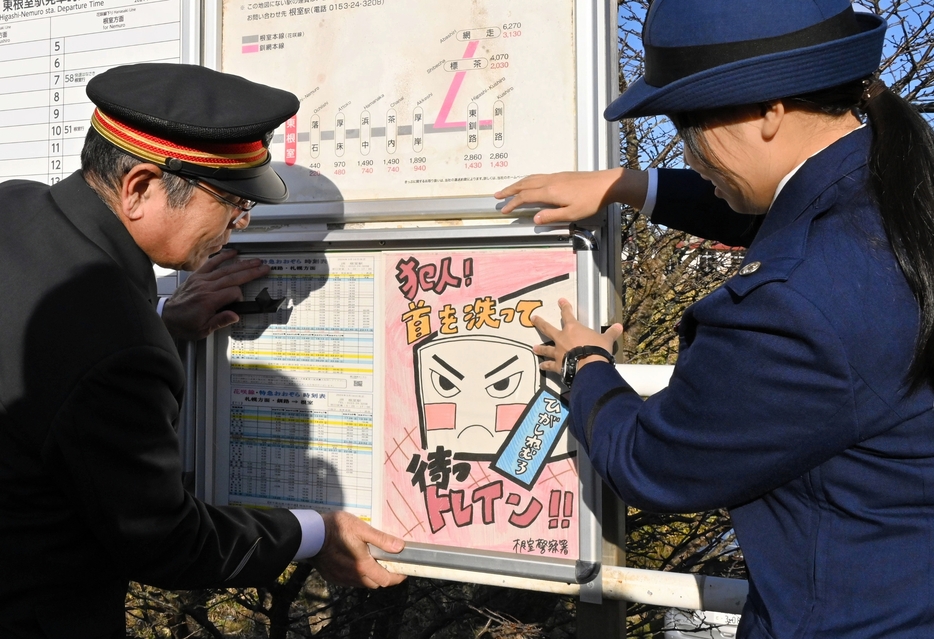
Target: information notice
301 387
49 49
413 98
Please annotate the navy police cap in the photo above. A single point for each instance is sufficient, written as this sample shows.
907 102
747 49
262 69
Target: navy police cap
703 54
195 122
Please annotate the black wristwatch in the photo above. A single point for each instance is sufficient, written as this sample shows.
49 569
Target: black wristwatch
569 367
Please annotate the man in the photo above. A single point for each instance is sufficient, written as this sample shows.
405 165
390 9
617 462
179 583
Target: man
90 380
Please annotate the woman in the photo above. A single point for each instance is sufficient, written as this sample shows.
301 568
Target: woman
802 397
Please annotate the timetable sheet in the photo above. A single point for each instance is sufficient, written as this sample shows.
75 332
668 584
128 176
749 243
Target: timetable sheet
300 387
49 50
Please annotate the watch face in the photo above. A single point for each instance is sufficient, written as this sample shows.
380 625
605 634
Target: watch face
568 368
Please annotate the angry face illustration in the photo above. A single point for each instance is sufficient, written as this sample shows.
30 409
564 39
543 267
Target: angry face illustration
471 391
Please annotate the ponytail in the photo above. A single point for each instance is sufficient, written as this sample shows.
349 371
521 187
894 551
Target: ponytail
901 166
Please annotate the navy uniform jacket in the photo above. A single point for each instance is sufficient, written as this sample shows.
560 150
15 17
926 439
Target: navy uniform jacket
91 493
789 406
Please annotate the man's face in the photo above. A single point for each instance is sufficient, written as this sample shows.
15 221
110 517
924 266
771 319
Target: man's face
199 229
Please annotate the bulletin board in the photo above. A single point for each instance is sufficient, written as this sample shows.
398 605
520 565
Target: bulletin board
400 385
398 382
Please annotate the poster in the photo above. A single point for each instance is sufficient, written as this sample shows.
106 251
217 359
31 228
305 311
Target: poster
476 448
412 98
402 386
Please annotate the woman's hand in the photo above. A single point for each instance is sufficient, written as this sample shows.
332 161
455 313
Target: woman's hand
574 195
573 334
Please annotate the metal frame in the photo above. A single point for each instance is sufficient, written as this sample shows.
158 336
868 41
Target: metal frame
594 19
586 568
192 28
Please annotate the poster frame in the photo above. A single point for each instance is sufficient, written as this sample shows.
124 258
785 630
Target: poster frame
582 570
362 225
595 63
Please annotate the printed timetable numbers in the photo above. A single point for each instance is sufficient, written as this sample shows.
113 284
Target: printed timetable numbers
46 59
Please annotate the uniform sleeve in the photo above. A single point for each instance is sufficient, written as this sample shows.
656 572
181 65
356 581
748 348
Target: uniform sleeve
761 394
685 201
114 446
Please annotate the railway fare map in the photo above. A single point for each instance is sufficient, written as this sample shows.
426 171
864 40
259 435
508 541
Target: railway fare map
413 98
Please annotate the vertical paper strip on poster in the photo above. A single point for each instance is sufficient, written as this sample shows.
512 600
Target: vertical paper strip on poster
477 452
412 98
49 50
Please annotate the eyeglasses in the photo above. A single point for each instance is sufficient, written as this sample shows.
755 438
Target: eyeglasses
243 204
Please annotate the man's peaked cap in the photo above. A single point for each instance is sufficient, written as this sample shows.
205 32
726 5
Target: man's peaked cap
195 122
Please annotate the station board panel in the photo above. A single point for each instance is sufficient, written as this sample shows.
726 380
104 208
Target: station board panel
402 386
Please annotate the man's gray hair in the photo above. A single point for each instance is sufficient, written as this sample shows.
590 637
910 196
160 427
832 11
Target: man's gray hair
105 165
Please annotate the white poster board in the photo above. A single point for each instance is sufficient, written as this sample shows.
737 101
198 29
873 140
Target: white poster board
411 99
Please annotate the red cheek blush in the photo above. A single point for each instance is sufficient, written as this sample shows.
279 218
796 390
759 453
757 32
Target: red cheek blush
440 416
507 415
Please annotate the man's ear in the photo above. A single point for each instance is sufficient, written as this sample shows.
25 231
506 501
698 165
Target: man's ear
772 113
137 190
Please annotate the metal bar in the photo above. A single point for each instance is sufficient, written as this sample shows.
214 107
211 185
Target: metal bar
586 245
652 587
503 563
478 207
503 234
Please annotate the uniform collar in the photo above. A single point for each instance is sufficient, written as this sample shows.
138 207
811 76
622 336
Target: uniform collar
784 181
810 190
781 242
85 209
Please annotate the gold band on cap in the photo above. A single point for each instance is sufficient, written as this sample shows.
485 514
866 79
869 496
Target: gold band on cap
242 155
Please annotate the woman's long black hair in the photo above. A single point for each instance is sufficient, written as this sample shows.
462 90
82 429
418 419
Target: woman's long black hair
901 166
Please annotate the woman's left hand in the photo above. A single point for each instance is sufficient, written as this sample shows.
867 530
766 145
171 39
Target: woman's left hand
572 334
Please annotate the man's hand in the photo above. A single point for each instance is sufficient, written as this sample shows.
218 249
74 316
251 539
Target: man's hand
572 334
192 312
345 560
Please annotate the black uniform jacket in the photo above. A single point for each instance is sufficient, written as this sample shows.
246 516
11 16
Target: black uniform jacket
90 388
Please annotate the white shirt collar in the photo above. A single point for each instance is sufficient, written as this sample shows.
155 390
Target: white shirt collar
791 173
